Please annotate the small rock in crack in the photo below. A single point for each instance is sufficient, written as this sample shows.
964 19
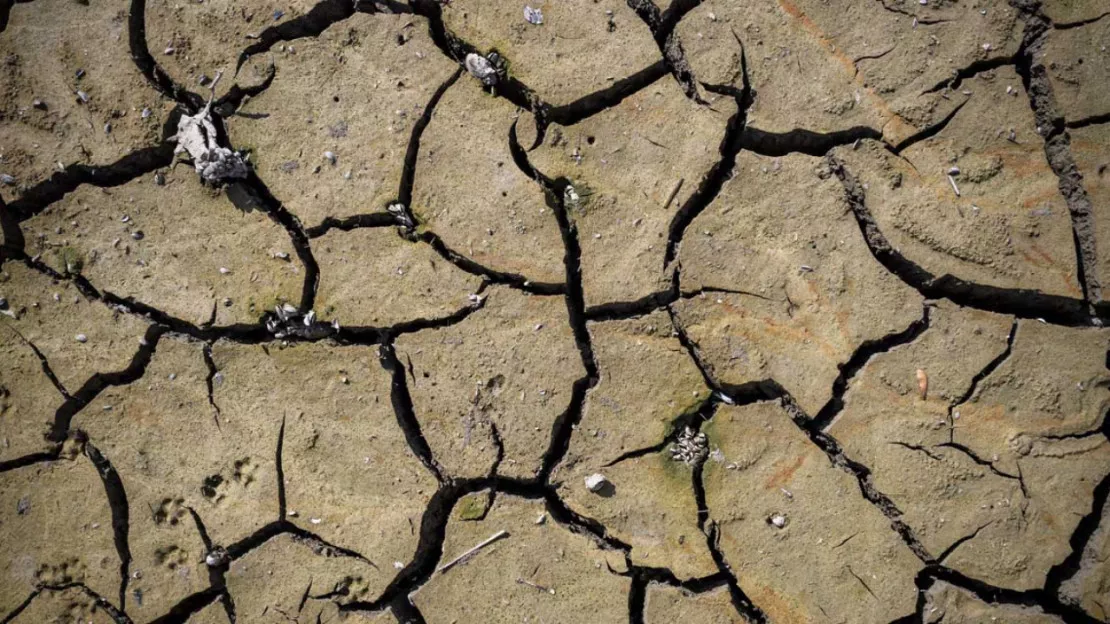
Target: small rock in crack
278 14
82 97
82 338
330 157
80 74
481 68
3 303
227 302
23 506
39 104
7 179
217 557
159 179
596 482
138 235
203 80
146 113
778 520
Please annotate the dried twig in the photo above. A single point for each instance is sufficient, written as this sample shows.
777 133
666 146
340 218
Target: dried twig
470 553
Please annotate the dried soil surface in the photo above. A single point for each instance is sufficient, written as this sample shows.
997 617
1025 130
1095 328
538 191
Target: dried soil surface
716 312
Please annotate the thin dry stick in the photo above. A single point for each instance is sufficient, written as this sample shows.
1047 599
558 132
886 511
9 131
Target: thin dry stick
466 555
674 192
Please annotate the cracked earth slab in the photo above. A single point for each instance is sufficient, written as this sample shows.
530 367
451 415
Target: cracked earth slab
363 506
510 366
632 177
52 325
56 501
800 292
404 280
834 558
604 42
385 65
544 554
499 220
41 62
1078 64
823 67
1009 227
191 40
179 247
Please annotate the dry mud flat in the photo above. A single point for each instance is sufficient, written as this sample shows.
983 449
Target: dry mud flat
776 311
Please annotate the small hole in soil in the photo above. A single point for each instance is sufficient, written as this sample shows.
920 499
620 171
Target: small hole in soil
590 140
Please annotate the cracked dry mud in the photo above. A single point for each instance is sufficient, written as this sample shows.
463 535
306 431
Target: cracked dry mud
850 256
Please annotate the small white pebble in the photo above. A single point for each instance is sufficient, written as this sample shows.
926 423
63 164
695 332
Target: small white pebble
315 520
224 270
81 338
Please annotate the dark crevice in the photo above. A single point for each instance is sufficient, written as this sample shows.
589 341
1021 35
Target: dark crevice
690 419
30 459
862 474
802 141
121 520
740 601
986 371
971 70
116 615
1033 598
209 381
711 185
662 26
1057 148
404 411
149 68
21 607
282 506
189 606
862 355
1022 303
513 280
637 596
318 19
927 132
520 94
554 192
369 220
405 611
136 164
960 542
45 364
1079 23
408 170
259 196
60 428
1088 121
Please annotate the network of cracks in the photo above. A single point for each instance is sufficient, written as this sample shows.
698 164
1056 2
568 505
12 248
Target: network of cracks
554 488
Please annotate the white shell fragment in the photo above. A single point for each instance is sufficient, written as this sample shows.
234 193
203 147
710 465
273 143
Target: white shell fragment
596 482
691 448
480 67
534 16
197 135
